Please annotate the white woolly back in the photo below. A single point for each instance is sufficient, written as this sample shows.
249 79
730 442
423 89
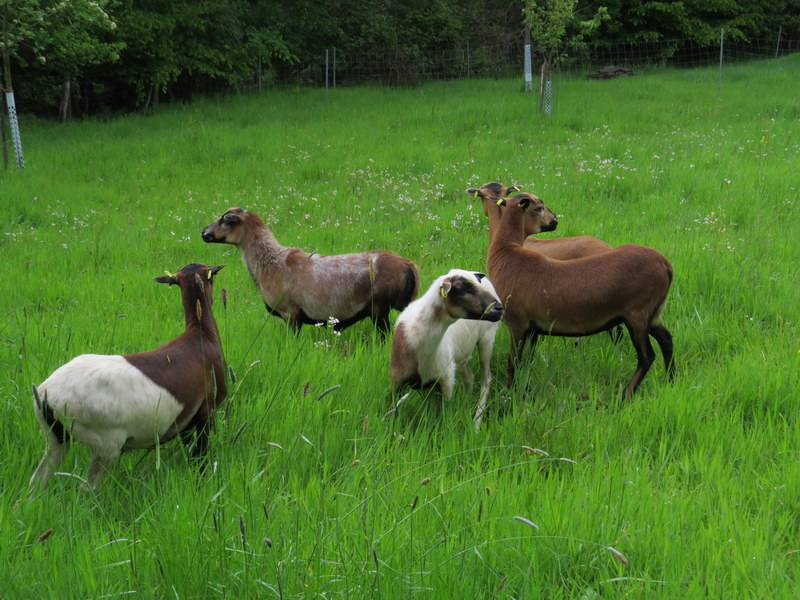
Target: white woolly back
96 393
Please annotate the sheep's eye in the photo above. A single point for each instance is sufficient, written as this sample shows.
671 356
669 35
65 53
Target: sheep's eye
539 209
462 288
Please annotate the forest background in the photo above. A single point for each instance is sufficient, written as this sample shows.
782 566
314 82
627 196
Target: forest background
82 57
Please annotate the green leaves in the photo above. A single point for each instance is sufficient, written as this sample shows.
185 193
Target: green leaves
62 35
555 26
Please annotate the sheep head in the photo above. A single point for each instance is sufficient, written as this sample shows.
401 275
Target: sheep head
538 216
228 228
489 193
465 298
200 275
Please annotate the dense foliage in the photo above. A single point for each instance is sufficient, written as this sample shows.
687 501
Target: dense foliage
87 56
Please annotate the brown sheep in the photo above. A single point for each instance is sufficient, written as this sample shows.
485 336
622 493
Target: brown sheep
308 288
542 296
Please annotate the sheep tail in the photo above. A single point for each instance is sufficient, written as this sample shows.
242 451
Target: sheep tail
411 288
53 424
655 318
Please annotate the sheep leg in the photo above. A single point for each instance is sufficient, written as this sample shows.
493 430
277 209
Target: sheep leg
446 384
616 334
103 458
53 455
200 444
380 317
478 417
645 356
467 376
485 353
518 341
514 351
203 425
664 339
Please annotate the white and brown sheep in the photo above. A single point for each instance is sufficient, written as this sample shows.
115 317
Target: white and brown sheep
436 334
627 285
309 288
559 248
112 403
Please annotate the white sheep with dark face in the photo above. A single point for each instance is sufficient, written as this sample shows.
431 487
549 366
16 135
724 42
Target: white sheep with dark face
436 334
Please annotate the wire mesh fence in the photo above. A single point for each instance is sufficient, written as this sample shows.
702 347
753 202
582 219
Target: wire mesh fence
407 66
505 58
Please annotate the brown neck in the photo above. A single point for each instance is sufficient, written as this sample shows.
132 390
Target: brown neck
261 243
197 310
510 231
494 214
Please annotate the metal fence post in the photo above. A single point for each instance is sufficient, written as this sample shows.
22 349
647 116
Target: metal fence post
333 70
16 139
528 61
3 143
326 74
548 96
778 44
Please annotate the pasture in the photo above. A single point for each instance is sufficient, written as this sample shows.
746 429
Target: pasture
688 490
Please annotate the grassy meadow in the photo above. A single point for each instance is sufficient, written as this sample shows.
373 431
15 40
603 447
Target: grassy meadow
689 490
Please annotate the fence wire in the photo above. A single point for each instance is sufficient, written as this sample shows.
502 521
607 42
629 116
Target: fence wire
409 66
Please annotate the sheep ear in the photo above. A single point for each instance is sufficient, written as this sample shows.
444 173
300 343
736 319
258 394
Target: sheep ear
445 289
514 188
215 270
479 276
231 218
524 203
475 192
168 279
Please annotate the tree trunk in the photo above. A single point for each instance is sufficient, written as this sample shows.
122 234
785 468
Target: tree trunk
152 98
64 109
545 76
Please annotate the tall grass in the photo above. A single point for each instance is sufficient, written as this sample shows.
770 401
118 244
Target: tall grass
687 490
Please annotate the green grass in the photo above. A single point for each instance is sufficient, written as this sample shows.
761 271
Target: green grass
695 483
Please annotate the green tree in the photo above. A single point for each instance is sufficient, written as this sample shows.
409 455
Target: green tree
190 39
59 37
699 21
555 27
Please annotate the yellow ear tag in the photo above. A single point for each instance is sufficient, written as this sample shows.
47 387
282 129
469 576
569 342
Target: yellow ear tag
476 193
209 274
516 188
442 293
168 274
501 202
